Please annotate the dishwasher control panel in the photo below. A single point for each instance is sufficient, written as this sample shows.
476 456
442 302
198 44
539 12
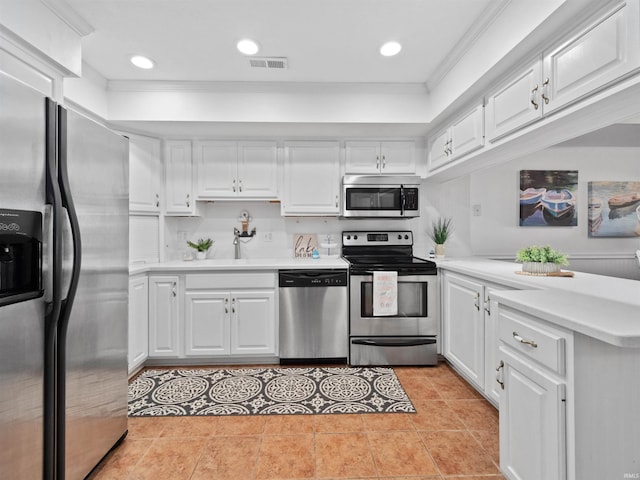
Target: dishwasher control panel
313 278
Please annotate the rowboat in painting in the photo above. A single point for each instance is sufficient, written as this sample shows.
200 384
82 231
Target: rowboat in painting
595 208
638 212
557 202
531 195
625 200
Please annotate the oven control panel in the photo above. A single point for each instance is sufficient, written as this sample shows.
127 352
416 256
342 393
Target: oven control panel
378 238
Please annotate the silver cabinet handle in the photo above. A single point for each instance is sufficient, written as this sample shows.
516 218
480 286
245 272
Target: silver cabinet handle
240 185
234 185
500 367
157 199
188 201
233 305
226 305
477 302
173 289
336 201
377 162
487 306
384 162
524 340
545 91
533 97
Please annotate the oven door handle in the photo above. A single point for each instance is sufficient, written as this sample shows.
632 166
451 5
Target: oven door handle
400 273
394 342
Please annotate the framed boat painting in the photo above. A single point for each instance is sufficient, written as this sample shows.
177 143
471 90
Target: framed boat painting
614 209
548 198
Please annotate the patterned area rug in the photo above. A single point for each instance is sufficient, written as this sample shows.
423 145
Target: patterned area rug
264 391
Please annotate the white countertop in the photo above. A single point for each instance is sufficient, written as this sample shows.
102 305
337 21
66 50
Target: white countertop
242 264
606 308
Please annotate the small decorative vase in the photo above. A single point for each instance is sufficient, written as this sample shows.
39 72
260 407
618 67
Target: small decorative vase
439 250
201 255
538 268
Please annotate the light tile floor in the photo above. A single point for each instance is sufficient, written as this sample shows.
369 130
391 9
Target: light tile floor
453 435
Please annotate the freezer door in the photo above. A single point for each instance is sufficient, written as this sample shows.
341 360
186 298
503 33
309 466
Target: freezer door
96 344
22 187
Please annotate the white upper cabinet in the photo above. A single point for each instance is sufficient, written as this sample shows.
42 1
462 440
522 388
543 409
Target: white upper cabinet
388 157
232 170
605 51
145 175
516 103
311 178
464 135
179 199
601 53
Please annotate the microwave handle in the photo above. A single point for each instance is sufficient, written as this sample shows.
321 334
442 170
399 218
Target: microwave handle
402 200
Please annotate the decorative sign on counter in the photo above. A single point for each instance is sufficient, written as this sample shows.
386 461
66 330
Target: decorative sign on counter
304 244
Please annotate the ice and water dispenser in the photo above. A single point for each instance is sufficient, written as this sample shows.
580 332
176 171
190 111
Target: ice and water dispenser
20 255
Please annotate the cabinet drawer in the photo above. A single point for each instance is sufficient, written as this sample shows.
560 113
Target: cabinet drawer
229 281
542 343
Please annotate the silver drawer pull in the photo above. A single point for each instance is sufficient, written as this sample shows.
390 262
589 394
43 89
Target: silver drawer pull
522 340
500 367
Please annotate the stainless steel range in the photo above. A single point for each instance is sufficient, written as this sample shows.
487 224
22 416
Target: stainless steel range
408 335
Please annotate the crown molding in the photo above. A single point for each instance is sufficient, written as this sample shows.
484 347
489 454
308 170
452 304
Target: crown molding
68 15
471 36
266 87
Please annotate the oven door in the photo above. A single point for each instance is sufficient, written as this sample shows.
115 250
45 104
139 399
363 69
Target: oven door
417 307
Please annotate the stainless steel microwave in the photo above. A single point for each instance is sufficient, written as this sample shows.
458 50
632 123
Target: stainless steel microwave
380 196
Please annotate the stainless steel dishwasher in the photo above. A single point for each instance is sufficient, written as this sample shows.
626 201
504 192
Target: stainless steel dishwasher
314 316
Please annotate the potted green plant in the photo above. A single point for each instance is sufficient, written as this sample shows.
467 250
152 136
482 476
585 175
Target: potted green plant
441 230
201 247
541 260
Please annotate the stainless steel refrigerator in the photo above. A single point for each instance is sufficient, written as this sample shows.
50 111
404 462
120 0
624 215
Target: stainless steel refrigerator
63 288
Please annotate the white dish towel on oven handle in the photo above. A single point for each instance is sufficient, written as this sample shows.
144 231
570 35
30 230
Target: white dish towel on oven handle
385 293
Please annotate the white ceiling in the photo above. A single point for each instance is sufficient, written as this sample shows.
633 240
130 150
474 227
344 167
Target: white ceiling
323 40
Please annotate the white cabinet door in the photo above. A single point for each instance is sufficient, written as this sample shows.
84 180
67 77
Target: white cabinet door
145 175
464 327
439 153
178 179
491 388
257 169
253 322
396 157
216 164
206 320
311 179
389 157
532 422
362 157
467 133
163 316
516 103
138 322
602 53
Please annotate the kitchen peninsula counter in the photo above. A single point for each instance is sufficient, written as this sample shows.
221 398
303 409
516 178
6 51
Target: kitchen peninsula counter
602 307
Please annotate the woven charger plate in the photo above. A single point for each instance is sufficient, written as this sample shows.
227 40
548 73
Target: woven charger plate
550 274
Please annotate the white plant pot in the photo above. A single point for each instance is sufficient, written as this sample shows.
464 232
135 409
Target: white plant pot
540 268
201 255
440 250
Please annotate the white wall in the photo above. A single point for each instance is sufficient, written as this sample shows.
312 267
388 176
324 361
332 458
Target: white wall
496 190
218 220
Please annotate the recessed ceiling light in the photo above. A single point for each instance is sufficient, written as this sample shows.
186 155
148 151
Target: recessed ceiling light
142 62
248 47
390 49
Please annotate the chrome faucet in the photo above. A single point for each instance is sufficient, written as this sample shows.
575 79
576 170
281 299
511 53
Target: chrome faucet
236 242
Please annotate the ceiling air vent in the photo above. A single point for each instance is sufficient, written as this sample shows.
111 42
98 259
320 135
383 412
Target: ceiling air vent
278 63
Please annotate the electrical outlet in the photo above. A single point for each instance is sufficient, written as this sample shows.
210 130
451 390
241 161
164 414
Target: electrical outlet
476 210
267 236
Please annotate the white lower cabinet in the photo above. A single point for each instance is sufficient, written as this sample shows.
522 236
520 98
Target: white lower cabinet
164 320
138 349
230 314
470 340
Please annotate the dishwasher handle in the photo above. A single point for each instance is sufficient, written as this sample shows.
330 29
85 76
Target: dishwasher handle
393 342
